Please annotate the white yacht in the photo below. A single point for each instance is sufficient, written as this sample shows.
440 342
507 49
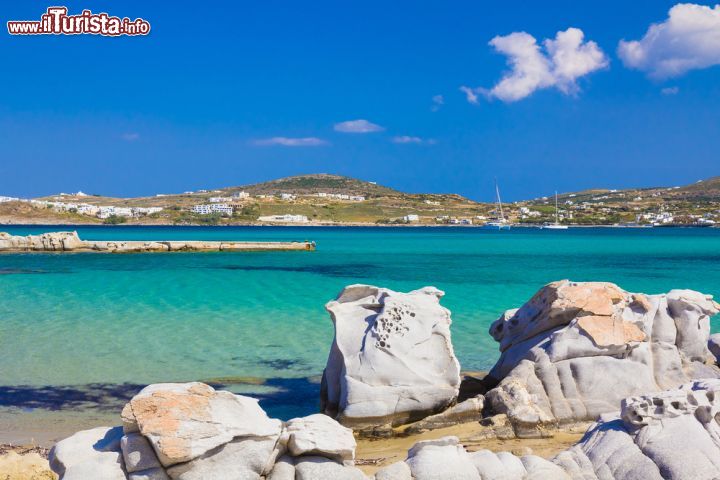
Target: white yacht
557 225
501 223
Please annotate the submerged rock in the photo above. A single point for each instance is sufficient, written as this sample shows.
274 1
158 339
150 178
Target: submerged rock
391 361
575 350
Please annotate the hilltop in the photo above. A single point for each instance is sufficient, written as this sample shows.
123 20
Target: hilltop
316 183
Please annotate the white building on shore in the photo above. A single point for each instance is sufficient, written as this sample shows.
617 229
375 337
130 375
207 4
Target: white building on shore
222 208
286 218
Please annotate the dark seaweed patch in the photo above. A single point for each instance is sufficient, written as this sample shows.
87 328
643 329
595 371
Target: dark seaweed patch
280 363
291 397
92 396
341 270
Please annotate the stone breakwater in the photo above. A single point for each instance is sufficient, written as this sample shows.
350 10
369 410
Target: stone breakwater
642 370
71 242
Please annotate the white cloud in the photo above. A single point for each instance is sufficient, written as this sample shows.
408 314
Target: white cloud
559 63
437 102
670 90
471 93
291 142
130 136
689 39
357 126
415 140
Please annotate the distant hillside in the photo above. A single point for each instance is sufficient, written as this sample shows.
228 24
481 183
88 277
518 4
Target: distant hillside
703 190
321 182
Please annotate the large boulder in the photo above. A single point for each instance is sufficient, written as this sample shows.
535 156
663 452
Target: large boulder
575 350
189 421
391 361
320 435
671 435
88 454
189 431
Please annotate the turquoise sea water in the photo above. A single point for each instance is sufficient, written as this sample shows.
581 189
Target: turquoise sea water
101 324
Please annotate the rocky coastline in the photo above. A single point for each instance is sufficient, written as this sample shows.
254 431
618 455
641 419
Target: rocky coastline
71 242
638 373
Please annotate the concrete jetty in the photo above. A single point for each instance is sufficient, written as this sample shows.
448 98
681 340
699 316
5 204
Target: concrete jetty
71 242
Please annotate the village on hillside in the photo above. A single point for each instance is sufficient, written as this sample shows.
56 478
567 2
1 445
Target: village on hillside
331 199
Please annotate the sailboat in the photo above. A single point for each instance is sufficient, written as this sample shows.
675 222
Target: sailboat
501 223
556 225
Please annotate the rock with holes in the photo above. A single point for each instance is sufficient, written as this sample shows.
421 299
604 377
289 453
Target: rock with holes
391 361
88 454
672 435
186 421
575 350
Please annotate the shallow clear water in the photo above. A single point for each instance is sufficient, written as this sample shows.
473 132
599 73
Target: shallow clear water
108 320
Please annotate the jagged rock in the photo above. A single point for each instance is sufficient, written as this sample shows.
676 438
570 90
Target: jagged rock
441 459
88 454
51 242
468 411
138 453
186 421
320 435
391 360
714 346
672 435
575 350
321 468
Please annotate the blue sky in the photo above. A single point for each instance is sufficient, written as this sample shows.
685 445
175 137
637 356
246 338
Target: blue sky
228 93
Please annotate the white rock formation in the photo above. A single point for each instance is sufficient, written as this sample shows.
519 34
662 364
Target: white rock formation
185 421
88 454
391 361
190 431
320 435
70 242
671 435
441 459
446 459
575 350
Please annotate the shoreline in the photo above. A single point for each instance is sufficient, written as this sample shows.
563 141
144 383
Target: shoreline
325 225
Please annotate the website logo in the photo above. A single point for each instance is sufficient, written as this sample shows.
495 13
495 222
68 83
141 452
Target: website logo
56 21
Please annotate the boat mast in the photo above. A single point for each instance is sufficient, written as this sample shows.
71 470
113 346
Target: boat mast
557 215
497 192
